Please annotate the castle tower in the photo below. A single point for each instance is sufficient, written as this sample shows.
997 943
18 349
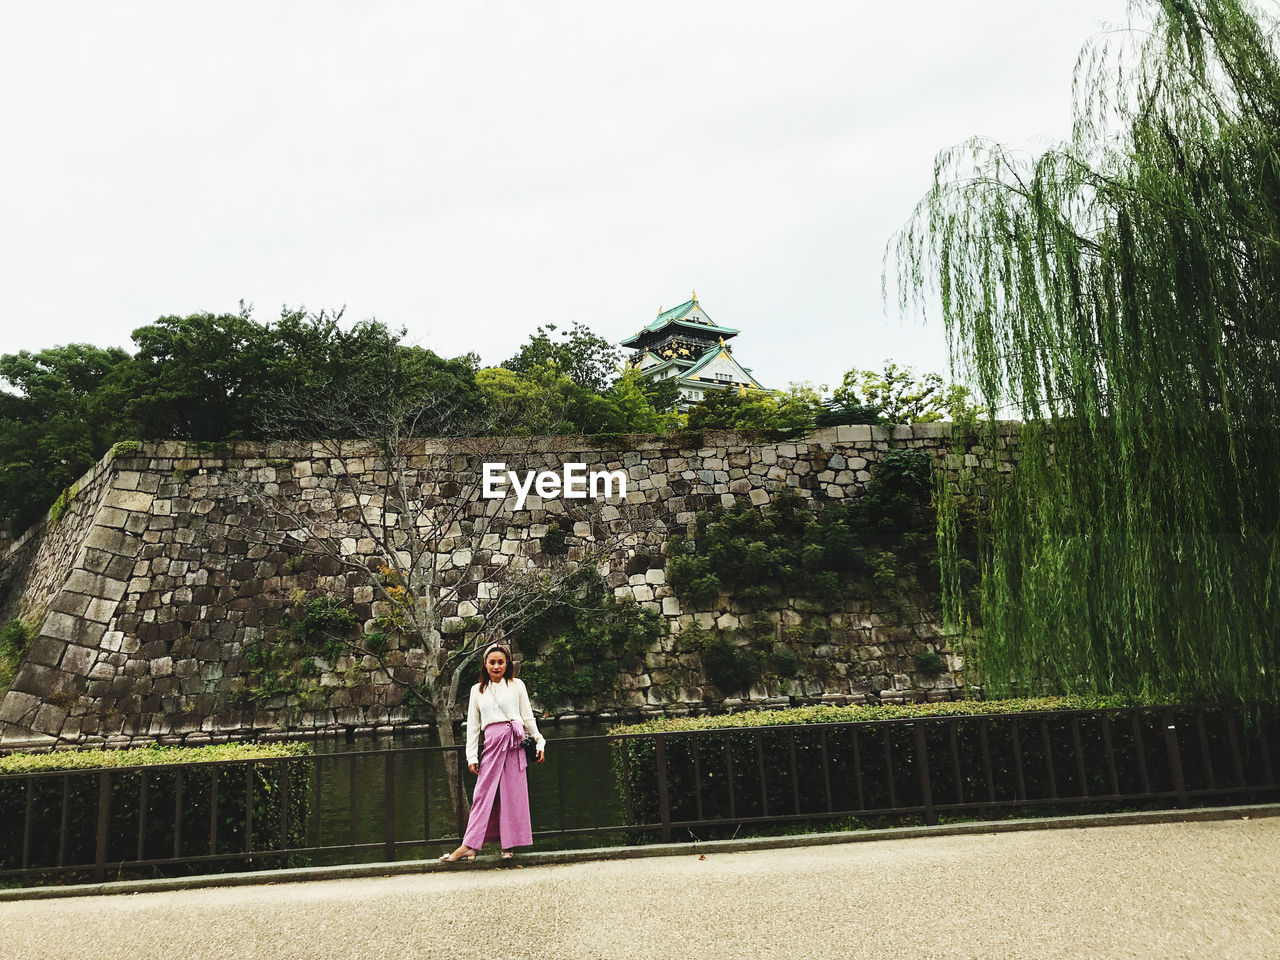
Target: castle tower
684 343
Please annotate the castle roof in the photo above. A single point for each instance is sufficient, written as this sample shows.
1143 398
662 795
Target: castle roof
689 315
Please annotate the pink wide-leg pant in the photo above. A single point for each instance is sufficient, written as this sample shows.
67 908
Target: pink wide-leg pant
500 804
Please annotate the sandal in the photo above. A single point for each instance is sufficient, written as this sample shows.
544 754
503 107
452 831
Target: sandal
456 856
508 854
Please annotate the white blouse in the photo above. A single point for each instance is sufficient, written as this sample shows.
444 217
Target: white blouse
501 702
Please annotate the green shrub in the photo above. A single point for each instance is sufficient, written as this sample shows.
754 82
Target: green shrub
275 823
284 663
930 663
554 540
800 762
14 639
882 544
732 668
580 648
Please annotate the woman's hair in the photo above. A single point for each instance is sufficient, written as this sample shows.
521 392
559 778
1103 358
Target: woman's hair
507 673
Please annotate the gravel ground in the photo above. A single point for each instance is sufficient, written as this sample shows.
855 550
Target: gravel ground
1202 890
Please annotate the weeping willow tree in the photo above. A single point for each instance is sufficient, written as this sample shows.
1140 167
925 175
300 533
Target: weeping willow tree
1119 296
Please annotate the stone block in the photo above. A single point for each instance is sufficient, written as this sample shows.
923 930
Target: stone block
60 626
96 585
45 651
854 433
72 604
36 680
113 517
78 660
135 500
49 719
101 611
19 708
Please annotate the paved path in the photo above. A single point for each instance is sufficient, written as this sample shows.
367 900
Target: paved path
1196 890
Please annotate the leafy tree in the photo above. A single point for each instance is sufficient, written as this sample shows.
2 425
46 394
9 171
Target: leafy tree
588 360
664 395
792 412
543 401
1119 292
202 377
897 395
53 425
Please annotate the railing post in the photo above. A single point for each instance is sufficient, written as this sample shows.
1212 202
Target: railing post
1175 757
389 806
922 764
664 806
104 823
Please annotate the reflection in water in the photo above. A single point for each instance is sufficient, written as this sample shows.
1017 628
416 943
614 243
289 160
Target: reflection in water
574 789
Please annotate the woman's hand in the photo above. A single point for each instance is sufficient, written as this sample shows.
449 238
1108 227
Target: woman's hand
474 767
541 756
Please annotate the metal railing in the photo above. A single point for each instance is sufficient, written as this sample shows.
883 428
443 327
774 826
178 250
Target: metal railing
389 804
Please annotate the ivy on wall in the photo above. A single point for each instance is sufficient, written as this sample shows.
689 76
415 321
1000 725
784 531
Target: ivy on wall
883 545
580 648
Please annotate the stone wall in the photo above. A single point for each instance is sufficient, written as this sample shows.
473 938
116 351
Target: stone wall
171 566
36 567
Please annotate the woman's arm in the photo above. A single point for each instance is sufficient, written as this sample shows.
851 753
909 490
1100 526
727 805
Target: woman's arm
526 717
473 727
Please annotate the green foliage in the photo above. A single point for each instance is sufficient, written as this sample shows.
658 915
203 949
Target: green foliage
930 663
540 400
204 377
284 663
15 636
897 395
737 660
1117 293
54 425
878 711
581 646
800 761
275 824
553 541
124 448
790 413
147 756
59 506
839 413
883 543
578 354
732 668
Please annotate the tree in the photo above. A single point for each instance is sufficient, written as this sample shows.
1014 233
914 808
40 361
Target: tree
588 360
53 427
792 412
1120 293
207 377
898 395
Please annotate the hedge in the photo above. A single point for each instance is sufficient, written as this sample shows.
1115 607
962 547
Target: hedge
736 774
73 775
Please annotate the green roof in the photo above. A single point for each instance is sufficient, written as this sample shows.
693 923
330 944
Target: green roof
710 355
674 315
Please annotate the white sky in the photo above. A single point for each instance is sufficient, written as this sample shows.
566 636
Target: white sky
470 171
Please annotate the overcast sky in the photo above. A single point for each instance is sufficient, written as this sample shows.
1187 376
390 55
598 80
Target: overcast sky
472 170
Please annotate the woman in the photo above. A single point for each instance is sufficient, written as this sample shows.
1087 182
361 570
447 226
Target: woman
500 806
